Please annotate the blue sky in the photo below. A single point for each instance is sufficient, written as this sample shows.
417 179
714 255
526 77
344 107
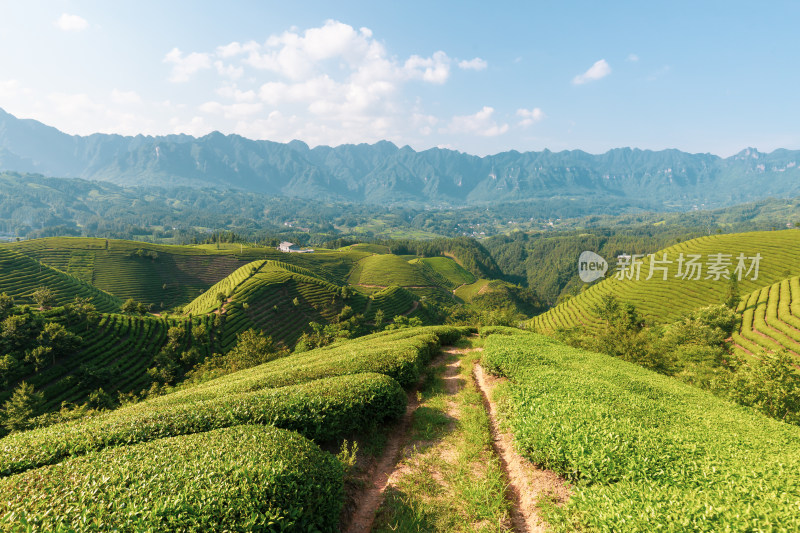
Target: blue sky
478 77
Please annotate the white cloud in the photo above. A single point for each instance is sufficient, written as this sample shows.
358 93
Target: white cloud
529 116
481 123
185 66
69 22
125 97
633 58
473 64
599 70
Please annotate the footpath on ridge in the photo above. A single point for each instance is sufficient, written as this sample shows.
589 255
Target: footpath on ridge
446 465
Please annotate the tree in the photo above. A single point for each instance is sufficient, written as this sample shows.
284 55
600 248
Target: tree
379 317
732 297
130 307
39 356
58 339
82 309
44 298
6 305
23 405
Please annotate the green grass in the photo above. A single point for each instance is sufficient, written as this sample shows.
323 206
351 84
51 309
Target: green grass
468 292
644 451
451 480
667 300
245 478
386 270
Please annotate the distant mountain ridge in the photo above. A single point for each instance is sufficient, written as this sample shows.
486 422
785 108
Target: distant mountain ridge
384 174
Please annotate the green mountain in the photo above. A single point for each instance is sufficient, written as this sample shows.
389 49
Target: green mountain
385 174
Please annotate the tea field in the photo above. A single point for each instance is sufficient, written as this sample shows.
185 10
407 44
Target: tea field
643 451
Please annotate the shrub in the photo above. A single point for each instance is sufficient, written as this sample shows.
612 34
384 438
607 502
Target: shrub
247 478
322 410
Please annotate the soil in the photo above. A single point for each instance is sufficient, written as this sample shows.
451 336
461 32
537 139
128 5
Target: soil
527 482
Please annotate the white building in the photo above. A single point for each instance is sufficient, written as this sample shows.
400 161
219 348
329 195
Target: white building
287 247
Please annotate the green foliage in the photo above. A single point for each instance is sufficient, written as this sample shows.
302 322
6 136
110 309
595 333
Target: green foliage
252 348
246 478
771 384
641 447
44 297
23 405
6 305
322 410
404 322
132 307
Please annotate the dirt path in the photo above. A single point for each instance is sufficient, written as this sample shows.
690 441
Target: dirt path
527 483
368 502
386 468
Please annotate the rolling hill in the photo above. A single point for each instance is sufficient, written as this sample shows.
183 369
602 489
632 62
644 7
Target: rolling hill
665 300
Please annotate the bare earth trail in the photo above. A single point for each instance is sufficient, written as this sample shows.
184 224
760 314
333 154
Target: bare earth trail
368 502
526 483
386 468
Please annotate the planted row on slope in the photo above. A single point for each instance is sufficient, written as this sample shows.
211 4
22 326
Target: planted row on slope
643 449
666 300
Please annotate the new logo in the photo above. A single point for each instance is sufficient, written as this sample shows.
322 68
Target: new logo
591 267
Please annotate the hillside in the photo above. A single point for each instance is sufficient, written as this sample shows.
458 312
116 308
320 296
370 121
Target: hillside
770 319
161 275
665 300
641 449
21 275
250 434
127 353
385 174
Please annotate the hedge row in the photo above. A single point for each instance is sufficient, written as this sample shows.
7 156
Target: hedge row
400 354
322 410
645 452
246 478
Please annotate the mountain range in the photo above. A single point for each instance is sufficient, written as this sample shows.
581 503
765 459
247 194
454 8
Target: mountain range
385 174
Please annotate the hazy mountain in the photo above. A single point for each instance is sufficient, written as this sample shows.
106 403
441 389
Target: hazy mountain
382 173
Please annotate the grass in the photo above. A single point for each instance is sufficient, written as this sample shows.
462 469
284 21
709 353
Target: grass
451 480
644 451
468 292
386 270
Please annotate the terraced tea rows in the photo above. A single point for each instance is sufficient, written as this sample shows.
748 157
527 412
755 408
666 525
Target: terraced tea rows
392 301
387 270
195 460
115 354
665 300
20 276
770 319
169 275
643 449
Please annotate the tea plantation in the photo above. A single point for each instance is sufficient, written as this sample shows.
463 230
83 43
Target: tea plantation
243 464
643 451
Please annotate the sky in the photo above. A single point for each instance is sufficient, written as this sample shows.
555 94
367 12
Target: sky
474 76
